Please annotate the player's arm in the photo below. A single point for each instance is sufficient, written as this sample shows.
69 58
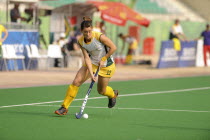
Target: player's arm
181 34
184 37
200 37
5 36
106 41
175 32
87 62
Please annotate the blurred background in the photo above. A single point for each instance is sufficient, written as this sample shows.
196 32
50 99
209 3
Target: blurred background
42 34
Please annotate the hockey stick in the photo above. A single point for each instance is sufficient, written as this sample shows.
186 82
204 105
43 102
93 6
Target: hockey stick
79 115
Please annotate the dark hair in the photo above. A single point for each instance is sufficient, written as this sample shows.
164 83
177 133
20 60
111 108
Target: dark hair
207 25
120 35
176 20
87 22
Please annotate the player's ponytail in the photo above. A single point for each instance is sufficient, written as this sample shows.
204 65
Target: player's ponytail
87 22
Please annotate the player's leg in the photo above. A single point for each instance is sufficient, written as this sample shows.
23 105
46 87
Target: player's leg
205 55
129 57
131 52
105 74
209 51
103 87
106 90
81 77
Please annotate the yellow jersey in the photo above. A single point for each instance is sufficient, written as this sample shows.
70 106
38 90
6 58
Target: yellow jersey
2 29
96 49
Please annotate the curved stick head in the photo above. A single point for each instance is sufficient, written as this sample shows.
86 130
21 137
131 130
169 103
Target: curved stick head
78 115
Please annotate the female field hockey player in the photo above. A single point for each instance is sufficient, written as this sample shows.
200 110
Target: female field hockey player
97 51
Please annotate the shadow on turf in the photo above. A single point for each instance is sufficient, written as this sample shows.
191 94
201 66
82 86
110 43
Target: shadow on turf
173 127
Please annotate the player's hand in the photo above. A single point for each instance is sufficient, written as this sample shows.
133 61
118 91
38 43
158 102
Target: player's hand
93 78
101 63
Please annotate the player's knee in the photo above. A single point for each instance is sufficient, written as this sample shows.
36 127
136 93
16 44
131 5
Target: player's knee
101 91
77 83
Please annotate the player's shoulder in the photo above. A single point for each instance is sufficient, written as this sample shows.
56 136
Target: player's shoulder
1 26
80 40
96 34
204 32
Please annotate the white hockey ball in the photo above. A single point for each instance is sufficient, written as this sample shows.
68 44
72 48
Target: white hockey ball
85 116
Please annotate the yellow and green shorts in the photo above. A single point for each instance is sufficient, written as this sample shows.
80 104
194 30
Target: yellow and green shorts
104 71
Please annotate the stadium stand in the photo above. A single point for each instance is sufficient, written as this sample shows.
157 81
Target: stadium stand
147 6
201 7
166 9
170 7
59 3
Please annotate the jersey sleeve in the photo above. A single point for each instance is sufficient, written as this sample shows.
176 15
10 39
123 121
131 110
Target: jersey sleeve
2 28
80 40
97 35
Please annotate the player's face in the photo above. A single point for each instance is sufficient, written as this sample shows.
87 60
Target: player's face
87 33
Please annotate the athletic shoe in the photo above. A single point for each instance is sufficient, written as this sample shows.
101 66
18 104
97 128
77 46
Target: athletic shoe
61 111
112 101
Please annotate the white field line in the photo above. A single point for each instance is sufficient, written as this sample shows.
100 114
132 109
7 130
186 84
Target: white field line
134 94
121 108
